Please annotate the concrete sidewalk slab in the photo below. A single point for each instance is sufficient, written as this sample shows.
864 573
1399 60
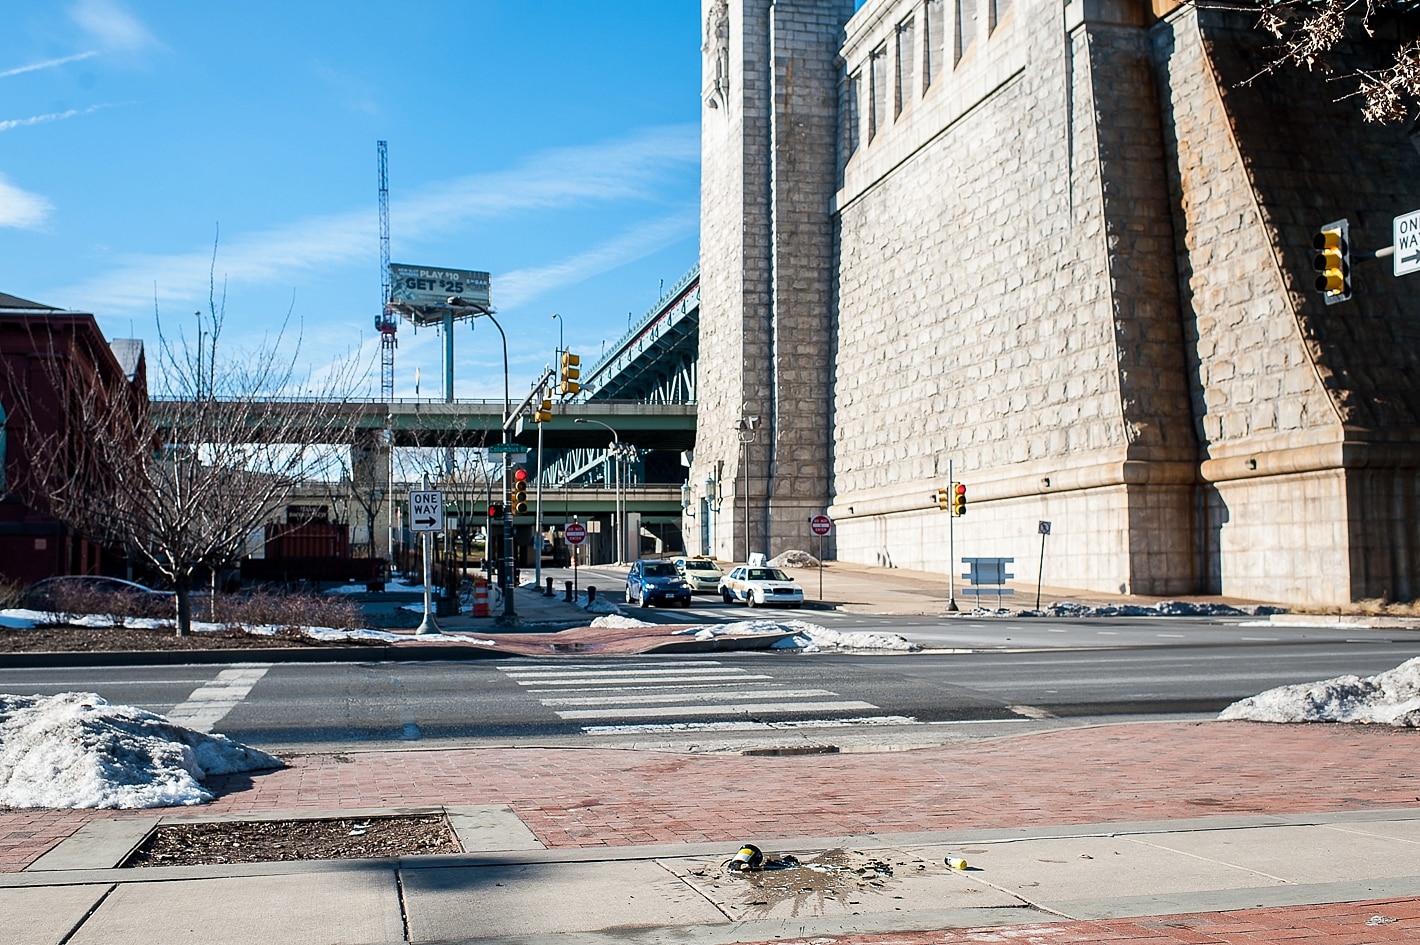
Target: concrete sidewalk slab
546 899
353 907
45 915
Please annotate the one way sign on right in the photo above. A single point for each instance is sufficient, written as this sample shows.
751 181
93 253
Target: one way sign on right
426 511
1405 237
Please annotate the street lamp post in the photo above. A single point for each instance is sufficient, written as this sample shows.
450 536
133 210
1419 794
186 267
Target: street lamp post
616 473
509 610
745 426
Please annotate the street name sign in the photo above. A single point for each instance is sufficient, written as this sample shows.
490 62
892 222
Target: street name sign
1405 237
426 511
507 448
575 533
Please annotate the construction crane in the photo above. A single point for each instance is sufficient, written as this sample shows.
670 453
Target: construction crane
386 322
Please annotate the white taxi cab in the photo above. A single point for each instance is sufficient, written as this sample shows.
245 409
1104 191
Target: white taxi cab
761 587
700 573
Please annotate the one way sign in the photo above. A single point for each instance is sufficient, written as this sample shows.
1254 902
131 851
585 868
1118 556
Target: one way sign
1405 237
426 511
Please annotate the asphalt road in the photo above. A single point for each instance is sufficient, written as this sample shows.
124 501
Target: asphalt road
1186 669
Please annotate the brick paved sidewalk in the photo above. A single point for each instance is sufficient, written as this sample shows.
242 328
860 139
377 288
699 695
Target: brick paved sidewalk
599 797
1390 920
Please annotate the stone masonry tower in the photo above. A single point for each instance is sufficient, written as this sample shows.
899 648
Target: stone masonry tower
769 174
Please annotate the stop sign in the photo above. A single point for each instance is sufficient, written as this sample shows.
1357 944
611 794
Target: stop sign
575 533
821 525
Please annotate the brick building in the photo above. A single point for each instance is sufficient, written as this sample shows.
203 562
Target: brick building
35 340
1060 246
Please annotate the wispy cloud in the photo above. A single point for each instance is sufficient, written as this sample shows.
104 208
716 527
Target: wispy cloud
21 209
9 123
521 285
113 27
48 64
623 170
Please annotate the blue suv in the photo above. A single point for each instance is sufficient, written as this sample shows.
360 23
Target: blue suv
651 582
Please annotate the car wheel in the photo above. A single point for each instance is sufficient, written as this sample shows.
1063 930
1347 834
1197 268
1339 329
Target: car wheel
749 599
645 601
725 595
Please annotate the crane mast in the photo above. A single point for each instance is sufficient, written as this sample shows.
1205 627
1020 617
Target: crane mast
386 321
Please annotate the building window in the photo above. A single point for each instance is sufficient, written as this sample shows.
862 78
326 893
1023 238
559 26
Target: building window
933 26
965 28
994 11
878 90
906 51
852 92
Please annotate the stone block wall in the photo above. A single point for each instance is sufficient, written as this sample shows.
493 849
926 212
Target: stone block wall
1061 249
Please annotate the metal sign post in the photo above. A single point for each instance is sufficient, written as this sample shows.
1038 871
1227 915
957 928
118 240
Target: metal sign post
951 550
426 515
1044 529
575 533
820 525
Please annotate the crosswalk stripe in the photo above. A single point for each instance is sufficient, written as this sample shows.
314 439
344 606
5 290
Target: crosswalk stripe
744 725
719 695
729 677
599 673
209 704
646 712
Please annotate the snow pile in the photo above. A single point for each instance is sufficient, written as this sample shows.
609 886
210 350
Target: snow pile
618 622
739 628
1164 608
794 559
822 638
1388 698
599 606
76 750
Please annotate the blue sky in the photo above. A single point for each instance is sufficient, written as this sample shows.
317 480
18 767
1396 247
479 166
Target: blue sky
554 143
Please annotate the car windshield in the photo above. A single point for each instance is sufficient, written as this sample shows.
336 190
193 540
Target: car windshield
700 566
659 569
767 574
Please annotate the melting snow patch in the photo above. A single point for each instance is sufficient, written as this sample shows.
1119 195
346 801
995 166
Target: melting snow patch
617 621
1388 698
794 559
809 637
76 750
1164 608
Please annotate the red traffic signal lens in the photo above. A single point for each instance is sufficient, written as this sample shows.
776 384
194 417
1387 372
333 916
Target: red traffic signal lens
520 474
961 489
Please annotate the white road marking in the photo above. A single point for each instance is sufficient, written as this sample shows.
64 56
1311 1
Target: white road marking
209 704
719 695
742 725
681 710
724 677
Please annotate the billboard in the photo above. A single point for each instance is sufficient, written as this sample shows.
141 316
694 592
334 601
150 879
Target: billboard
422 293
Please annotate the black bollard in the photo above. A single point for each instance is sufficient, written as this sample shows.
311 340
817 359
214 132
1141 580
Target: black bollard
591 595
568 598
548 592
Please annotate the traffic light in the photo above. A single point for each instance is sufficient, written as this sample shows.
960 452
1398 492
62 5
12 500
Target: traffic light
495 511
944 499
958 498
1332 261
571 374
520 491
544 412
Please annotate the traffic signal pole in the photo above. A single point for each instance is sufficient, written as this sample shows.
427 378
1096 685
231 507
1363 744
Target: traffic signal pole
951 550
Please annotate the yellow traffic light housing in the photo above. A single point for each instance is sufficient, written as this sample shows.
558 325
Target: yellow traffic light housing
520 491
944 499
544 411
958 498
570 374
1332 261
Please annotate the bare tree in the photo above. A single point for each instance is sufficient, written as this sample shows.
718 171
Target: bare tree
180 482
1310 32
